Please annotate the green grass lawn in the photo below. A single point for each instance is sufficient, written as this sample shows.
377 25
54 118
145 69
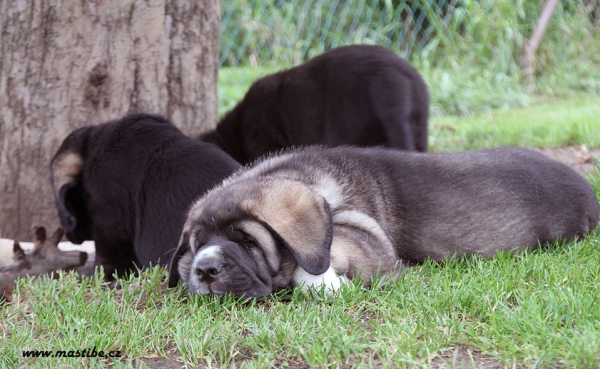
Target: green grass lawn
547 124
535 309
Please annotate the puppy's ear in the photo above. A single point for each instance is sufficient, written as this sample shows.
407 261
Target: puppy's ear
299 218
65 176
184 246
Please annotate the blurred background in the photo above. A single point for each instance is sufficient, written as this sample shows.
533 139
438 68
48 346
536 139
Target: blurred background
469 51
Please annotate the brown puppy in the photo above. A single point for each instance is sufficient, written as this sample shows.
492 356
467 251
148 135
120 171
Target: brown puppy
319 216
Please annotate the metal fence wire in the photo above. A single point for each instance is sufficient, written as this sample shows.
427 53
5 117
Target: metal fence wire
257 32
289 32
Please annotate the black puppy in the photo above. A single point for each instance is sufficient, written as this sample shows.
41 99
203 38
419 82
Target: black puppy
354 95
127 185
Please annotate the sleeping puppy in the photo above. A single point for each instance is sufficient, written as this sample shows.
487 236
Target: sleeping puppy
127 185
321 216
356 95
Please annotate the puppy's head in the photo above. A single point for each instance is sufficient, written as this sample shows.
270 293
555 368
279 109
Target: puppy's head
247 237
66 178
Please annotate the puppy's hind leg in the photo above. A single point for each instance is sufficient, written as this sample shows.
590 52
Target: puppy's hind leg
391 102
362 249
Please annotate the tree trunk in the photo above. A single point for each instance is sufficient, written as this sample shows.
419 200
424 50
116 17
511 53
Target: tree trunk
66 64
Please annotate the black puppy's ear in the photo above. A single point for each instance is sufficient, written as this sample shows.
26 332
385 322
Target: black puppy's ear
184 246
300 219
65 176
67 201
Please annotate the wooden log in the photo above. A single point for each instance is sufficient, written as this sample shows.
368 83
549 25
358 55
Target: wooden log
46 258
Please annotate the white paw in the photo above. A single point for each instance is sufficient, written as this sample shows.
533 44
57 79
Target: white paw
330 279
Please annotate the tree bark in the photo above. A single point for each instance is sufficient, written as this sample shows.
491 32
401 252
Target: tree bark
66 64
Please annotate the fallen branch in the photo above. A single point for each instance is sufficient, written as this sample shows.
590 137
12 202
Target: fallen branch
46 258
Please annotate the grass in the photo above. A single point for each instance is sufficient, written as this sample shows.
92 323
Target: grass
537 308
548 124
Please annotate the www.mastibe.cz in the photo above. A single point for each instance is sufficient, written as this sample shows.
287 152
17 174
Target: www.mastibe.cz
72 353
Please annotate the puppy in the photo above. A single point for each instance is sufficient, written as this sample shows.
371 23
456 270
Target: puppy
321 216
127 185
354 95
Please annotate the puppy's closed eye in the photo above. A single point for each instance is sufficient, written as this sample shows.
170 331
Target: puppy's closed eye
241 237
250 242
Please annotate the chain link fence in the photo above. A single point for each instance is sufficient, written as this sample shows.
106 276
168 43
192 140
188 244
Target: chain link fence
289 32
282 31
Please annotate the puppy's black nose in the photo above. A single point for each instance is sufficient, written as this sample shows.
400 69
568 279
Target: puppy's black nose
208 272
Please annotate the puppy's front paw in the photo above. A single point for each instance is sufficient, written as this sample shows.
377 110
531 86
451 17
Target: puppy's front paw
332 281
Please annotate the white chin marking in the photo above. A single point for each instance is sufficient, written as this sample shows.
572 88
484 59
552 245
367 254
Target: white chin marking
330 279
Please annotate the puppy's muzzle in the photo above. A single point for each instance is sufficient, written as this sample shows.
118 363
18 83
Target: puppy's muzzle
207 271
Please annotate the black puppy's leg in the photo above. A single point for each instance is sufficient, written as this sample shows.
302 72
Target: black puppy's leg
117 258
390 96
420 131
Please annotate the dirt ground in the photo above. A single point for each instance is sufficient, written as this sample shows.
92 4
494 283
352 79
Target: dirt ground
579 158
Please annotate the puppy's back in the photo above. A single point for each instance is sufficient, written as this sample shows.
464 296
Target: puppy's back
172 180
133 183
432 205
499 199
